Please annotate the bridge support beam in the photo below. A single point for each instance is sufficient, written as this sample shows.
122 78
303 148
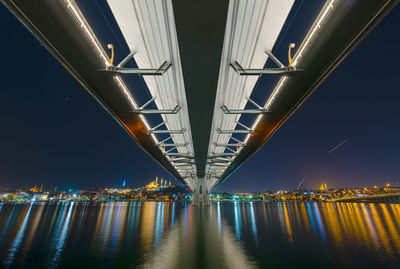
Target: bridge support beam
200 195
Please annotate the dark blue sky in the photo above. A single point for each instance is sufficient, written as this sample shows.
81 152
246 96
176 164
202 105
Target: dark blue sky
53 133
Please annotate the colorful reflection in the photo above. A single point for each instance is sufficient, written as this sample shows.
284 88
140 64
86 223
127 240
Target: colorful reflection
177 235
18 238
62 236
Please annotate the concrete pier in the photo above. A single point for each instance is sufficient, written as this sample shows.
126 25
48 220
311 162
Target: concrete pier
200 196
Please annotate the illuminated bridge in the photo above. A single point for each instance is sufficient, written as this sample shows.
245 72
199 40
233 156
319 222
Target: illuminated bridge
199 85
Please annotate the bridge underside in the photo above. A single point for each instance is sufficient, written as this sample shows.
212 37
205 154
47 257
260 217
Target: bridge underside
200 27
200 88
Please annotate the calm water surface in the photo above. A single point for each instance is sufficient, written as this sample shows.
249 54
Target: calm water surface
177 235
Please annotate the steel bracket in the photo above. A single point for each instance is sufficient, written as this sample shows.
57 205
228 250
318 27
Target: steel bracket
181 131
280 70
121 70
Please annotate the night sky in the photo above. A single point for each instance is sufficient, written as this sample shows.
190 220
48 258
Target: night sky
346 134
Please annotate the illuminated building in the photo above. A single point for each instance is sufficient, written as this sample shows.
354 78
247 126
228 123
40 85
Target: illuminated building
323 187
153 185
40 197
36 189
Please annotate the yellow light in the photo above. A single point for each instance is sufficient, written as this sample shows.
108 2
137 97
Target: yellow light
111 61
103 55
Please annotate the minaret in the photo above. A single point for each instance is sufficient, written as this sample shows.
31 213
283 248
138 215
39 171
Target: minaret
156 180
162 179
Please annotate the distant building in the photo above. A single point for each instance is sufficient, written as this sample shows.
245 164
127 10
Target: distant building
153 185
40 197
21 196
323 187
36 189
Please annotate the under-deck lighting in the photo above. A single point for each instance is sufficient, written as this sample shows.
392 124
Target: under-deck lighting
323 15
72 6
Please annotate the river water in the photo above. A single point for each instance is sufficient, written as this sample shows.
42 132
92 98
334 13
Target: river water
177 235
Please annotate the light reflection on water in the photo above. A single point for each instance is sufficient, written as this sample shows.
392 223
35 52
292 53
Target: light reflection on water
177 235
18 238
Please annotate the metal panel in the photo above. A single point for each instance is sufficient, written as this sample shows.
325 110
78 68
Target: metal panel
252 28
62 29
148 27
326 44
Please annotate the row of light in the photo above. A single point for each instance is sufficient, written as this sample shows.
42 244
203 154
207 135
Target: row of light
103 55
323 15
176 165
326 10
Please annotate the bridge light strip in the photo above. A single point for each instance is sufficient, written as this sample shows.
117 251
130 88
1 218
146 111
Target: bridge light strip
326 10
168 42
316 26
72 6
85 26
323 15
